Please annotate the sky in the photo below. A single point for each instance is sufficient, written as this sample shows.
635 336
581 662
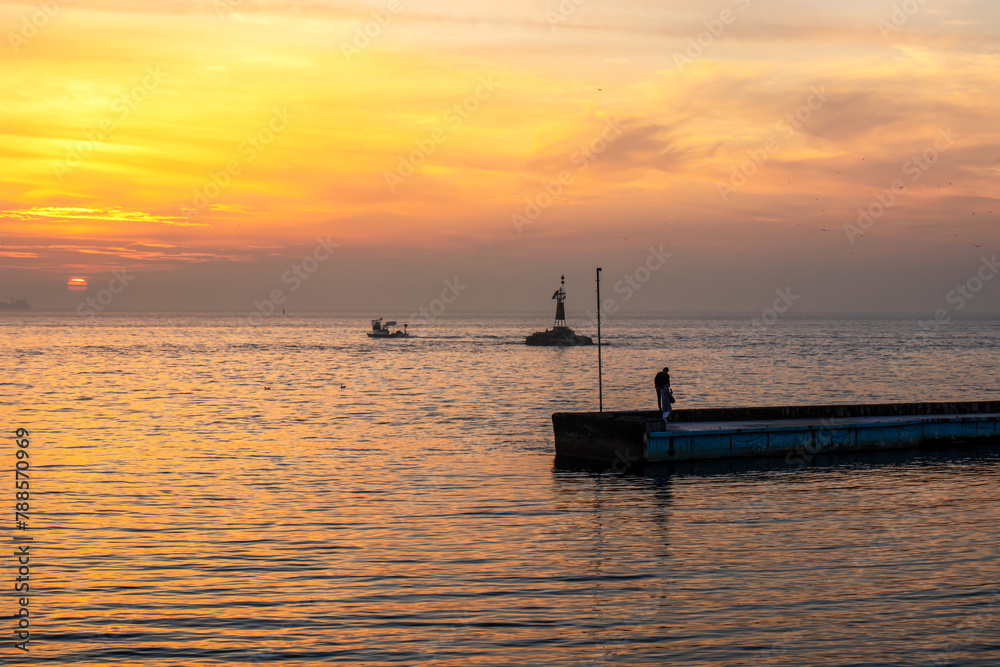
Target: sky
365 156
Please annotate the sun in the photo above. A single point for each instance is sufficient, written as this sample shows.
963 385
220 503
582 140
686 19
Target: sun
76 284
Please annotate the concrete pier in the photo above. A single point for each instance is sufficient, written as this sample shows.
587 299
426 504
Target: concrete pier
788 431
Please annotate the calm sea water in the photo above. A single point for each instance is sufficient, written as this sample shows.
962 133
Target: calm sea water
395 502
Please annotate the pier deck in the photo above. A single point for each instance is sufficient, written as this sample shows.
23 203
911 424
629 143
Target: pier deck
790 431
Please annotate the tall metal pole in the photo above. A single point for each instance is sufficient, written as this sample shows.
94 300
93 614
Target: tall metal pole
600 368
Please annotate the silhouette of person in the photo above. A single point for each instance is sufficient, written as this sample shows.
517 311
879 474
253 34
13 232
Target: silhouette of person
662 384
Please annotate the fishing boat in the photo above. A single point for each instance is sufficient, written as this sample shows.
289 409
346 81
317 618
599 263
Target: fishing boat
382 330
559 335
20 304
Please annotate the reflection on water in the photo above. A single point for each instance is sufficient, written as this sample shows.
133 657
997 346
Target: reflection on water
187 516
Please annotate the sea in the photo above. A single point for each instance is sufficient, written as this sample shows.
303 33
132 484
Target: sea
295 493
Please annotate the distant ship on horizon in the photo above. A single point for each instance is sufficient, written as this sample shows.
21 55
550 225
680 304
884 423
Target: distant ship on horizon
20 304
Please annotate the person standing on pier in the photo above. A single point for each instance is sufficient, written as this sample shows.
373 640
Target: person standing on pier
663 393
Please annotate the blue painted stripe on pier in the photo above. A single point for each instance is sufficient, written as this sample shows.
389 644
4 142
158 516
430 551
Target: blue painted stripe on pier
701 440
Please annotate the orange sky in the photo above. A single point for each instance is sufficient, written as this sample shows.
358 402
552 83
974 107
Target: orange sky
119 123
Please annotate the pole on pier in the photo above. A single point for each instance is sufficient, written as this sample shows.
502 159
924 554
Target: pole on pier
600 369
